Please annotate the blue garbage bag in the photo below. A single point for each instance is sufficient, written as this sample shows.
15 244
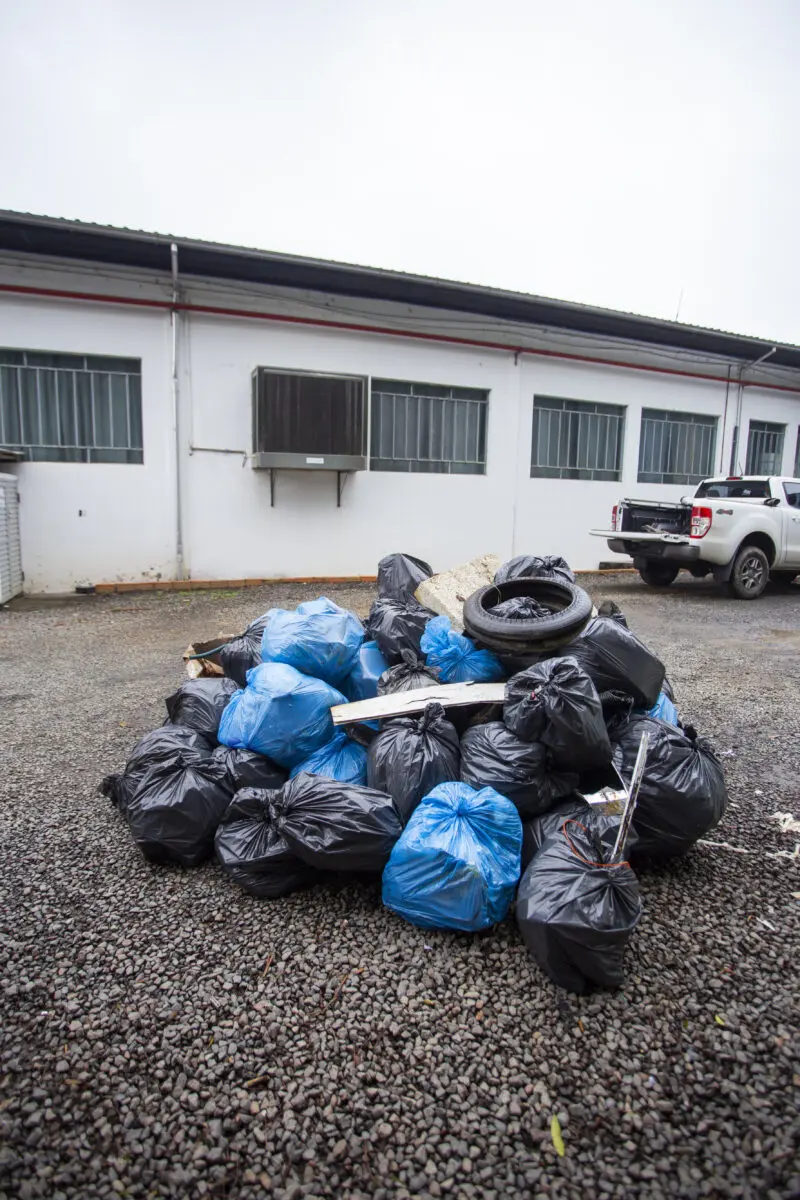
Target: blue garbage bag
341 758
318 638
369 665
457 862
281 713
456 657
664 710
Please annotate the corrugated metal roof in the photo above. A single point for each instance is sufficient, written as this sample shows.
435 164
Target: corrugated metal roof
29 233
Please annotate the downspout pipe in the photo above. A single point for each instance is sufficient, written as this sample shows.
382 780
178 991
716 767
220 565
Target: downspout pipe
737 429
180 570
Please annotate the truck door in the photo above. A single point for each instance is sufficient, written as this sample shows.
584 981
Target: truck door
792 519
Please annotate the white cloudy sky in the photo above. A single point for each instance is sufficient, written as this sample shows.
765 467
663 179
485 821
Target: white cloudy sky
616 152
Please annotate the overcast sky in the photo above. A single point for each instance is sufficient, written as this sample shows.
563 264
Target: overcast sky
614 152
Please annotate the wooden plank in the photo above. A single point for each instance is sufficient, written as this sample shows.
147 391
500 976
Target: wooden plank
398 704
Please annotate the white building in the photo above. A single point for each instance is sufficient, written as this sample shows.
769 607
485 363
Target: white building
482 420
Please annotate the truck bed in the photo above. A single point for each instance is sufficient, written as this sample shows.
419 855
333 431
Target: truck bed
654 516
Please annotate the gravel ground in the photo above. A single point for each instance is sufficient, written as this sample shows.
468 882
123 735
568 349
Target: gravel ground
163 1034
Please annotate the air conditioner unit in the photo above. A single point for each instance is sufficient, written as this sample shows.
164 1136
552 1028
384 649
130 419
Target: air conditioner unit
308 421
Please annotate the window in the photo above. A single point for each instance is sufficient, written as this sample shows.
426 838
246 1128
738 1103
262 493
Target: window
424 427
71 407
734 489
764 448
676 447
572 439
797 456
792 491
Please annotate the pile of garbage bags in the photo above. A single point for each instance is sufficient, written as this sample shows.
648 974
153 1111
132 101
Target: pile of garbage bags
465 814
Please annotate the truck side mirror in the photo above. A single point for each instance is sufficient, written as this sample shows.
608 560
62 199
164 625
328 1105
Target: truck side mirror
772 502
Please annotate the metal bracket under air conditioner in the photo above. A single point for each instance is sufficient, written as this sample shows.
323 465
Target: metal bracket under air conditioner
341 480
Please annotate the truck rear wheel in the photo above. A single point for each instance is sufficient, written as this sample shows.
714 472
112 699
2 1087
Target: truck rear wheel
750 574
658 574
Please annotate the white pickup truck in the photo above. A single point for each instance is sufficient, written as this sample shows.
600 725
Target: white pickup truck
743 530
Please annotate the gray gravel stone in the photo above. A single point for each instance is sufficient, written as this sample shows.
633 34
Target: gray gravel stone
162 1034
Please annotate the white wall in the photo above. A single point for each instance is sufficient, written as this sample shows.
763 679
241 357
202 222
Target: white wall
554 513
230 530
126 532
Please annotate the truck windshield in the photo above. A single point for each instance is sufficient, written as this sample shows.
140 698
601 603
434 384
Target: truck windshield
731 489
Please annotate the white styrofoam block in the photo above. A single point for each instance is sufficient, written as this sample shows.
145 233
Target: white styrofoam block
446 593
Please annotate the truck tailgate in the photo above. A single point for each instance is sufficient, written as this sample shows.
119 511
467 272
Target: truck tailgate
620 535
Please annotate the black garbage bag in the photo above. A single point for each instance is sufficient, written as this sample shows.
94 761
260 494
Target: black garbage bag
601 825
199 703
407 675
557 704
336 826
575 912
243 652
610 609
615 660
254 853
246 769
532 566
397 625
493 756
617 708
682 794
173 794
411 755
399 575
521 608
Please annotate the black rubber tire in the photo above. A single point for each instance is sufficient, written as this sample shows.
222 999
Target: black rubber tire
570 611
784 577
656 574
750 574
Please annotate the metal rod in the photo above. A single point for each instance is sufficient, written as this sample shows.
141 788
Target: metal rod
630 803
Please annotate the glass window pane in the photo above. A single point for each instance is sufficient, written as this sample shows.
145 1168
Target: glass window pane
575 439
56 410
29 407
10 428
135 402
119 411
48 408
65 387
675 447
428 428
101 397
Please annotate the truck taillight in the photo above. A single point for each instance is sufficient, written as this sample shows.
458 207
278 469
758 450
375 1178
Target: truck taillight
701 521
614 512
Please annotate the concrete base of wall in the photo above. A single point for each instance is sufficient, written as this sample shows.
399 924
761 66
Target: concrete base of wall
191 585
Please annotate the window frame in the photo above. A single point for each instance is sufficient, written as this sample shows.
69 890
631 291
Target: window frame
795 492
572 471
672 419
765 427
446 394
50 409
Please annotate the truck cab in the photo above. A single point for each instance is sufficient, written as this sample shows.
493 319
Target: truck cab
742 529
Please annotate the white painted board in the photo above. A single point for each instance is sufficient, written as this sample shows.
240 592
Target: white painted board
398 704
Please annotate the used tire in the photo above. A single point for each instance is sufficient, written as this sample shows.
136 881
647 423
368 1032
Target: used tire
656 574
750 574
570 610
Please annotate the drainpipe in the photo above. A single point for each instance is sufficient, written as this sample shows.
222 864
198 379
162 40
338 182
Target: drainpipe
179 566
740 396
